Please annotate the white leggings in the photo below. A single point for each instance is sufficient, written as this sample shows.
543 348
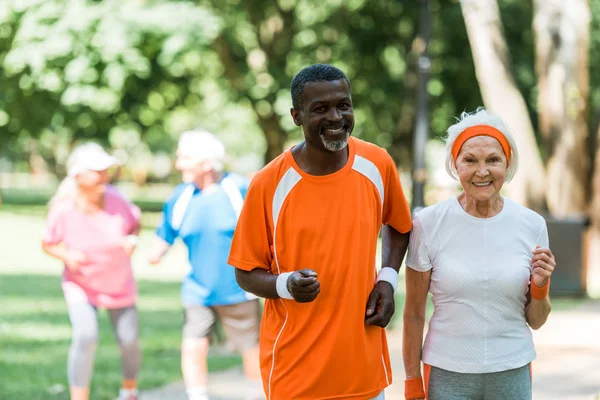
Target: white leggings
380 396
84 319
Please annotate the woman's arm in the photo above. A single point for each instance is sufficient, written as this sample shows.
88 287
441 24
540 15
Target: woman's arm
537 311
538 308
417 286
71 258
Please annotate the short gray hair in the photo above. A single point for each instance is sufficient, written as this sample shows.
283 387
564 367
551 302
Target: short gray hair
480 117
203 146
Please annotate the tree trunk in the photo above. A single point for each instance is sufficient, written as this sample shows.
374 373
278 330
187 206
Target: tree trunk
274 134
562 36
593 243
502 97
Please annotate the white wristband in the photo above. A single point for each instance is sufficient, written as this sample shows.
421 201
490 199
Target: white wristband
281 286
390 275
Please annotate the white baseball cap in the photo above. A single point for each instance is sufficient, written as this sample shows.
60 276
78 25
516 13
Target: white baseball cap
89 157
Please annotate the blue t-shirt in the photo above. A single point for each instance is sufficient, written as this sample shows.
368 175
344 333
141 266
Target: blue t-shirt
206 228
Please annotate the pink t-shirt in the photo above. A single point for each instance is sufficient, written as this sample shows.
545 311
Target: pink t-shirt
105 278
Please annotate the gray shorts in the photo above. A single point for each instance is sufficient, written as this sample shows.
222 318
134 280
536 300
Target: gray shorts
240 322
514 384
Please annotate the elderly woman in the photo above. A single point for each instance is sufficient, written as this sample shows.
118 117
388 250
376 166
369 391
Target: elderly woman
485 260
92 229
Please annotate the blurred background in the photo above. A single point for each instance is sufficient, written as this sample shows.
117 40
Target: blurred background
132 75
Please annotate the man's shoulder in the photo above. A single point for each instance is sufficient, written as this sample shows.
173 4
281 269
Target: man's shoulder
271 174
372 152
239 180
176 192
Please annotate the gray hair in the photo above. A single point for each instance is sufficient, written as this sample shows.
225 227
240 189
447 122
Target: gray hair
203 146
67 190
480 117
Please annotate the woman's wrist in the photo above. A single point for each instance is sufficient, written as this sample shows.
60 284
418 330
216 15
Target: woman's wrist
539 292
133 240
413 388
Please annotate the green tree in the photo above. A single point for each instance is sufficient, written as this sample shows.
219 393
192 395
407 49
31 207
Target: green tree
130 74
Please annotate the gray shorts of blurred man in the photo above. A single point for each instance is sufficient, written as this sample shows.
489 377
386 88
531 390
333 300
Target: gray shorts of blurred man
203 212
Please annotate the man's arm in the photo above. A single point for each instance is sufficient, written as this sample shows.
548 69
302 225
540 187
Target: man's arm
381 306
302 285
258 282
159 249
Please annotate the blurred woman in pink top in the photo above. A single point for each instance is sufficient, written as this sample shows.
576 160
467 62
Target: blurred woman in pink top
93 229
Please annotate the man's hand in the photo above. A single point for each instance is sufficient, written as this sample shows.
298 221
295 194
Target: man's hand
304 286
158 250
380 306
542 266
154 257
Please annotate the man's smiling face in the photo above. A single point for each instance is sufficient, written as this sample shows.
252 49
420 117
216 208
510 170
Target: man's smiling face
326 114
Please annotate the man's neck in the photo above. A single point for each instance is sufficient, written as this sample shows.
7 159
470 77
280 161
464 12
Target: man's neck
319 162
208 179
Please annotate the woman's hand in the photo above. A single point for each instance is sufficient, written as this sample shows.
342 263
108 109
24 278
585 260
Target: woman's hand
73 259
129 243
542 266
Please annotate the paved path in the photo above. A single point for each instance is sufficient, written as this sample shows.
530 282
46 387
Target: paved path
567 366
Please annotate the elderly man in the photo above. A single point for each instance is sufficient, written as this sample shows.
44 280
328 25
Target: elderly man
307 240
203 212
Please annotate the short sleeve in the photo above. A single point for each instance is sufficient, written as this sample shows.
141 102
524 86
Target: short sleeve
165 230
129 211
133 215
252 239
418 257
396 211
543 240
54 230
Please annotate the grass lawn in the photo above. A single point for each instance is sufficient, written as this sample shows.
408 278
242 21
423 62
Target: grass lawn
35 329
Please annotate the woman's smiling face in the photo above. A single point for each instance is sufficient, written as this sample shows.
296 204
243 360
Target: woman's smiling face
481 166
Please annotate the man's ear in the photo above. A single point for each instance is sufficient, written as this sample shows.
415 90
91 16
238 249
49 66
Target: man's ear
296 116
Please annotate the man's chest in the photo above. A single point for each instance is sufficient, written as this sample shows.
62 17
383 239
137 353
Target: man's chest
208 214
327 221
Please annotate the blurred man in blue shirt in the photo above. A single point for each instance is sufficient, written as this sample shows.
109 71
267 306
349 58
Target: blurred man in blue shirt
203 212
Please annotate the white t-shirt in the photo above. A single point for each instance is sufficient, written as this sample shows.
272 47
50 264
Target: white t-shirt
480 271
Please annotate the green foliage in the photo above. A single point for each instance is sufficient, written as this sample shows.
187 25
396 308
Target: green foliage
134 74
131 75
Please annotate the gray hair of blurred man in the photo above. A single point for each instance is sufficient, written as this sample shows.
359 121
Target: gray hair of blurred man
480 117
201 145
85 157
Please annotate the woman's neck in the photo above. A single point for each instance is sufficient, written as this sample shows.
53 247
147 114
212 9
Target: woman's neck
89 202
481 208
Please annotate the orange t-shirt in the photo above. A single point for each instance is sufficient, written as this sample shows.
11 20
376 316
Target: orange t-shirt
292 220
